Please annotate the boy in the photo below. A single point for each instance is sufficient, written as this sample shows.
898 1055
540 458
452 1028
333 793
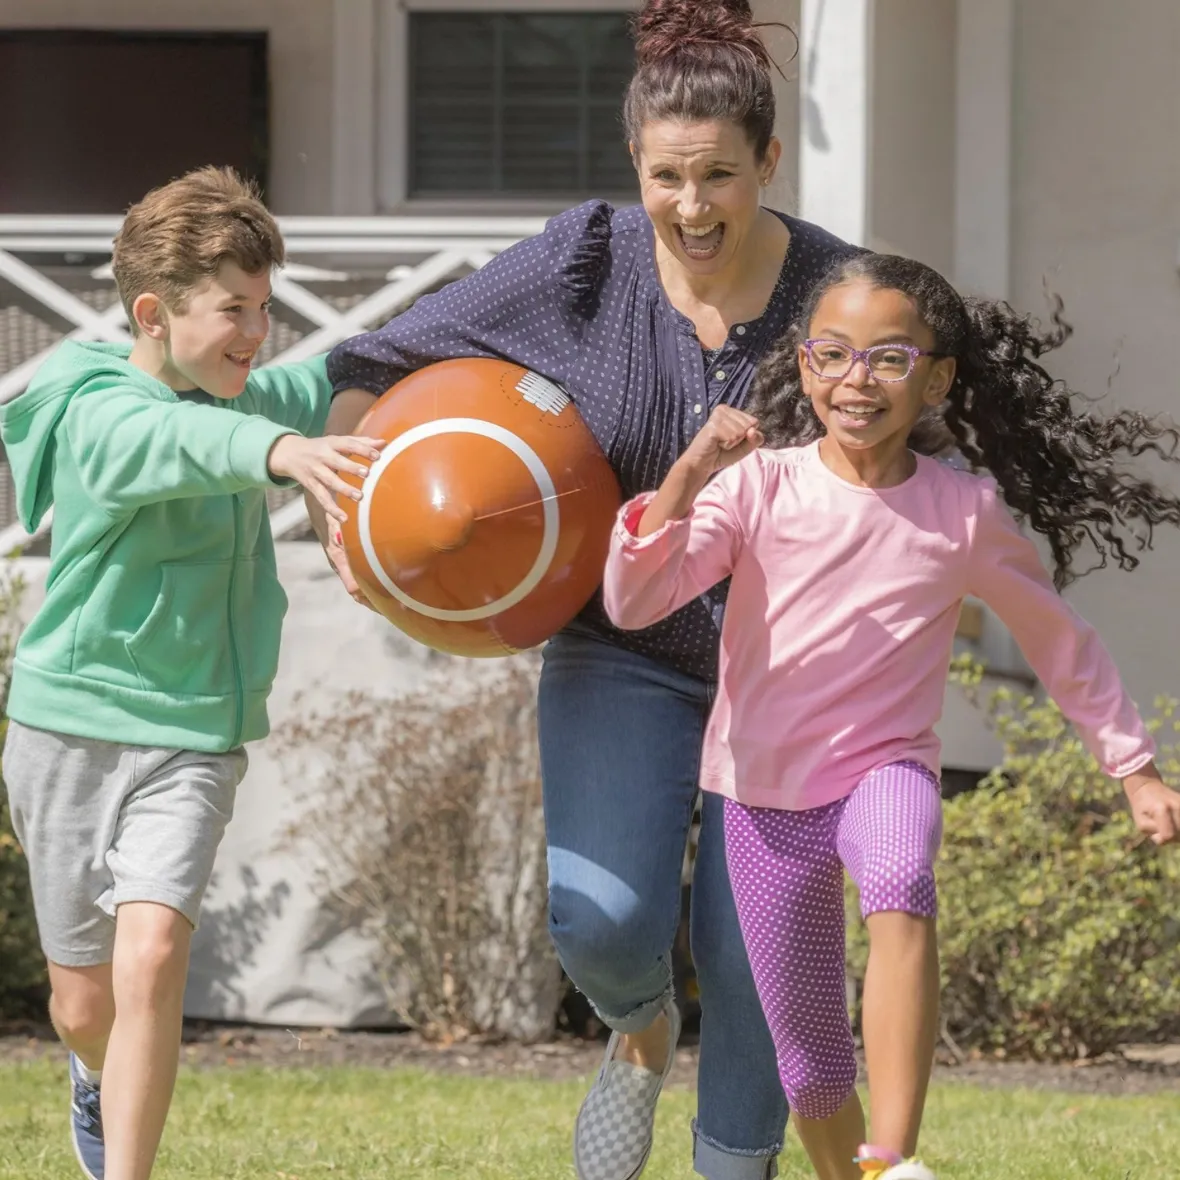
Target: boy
149 663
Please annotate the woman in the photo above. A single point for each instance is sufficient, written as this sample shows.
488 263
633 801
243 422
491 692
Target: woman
650 317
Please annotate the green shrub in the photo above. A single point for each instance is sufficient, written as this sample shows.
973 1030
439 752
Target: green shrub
22 967
1059 933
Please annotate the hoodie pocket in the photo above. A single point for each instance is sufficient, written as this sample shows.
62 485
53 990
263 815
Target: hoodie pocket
183 646
260 603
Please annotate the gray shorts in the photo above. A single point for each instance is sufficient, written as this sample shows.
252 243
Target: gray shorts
104 824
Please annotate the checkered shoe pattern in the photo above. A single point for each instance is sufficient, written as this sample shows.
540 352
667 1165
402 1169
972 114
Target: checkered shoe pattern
613 1134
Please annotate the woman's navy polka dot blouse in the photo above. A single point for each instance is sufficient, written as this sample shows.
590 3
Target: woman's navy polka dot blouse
582 304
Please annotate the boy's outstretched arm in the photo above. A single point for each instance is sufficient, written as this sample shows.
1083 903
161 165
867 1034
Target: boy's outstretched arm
346 411
297 395
132 449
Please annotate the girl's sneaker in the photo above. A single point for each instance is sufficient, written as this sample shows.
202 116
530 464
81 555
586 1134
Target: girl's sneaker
879 1164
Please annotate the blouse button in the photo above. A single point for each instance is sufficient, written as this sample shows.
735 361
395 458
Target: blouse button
697 408
740 329
720 375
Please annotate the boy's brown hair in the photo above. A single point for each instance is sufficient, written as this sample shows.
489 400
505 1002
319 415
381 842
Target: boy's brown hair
182 232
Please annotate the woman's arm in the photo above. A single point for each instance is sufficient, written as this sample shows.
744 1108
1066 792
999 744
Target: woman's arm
347 409
517 307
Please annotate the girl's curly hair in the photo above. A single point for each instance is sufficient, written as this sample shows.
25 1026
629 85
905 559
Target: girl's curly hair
1059 464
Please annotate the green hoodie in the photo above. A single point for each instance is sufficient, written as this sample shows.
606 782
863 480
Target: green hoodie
162 611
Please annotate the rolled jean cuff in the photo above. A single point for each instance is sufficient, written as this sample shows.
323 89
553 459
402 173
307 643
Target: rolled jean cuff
714 1161
637 1019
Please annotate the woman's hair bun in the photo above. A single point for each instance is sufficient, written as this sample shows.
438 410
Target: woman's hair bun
667 27
699 60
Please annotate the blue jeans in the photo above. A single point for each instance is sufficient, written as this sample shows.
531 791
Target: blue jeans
620 753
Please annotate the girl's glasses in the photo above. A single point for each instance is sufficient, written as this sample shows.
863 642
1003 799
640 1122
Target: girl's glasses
833 361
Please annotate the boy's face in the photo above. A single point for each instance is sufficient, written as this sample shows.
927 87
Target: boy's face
210 344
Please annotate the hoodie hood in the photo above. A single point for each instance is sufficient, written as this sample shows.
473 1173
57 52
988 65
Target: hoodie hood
29 422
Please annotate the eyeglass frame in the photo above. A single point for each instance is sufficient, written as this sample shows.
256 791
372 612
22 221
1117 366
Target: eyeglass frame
862 355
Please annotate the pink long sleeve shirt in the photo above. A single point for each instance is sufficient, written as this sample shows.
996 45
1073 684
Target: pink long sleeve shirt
841 619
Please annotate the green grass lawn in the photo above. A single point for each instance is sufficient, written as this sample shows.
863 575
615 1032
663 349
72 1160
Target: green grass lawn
247 1123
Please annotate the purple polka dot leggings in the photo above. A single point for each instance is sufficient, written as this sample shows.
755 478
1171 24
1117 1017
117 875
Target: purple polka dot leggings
787 871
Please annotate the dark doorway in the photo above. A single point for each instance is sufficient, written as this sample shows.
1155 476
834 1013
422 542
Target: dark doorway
92 119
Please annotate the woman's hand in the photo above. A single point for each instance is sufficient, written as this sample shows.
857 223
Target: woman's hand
338 559
347 409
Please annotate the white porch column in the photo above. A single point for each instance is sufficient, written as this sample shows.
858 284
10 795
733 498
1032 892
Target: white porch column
354 107
393 105
983 158
783 193
835 133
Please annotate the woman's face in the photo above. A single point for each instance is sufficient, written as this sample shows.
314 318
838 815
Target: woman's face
700 184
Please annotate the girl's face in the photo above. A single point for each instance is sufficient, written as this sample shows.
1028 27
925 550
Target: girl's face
701 184
862 409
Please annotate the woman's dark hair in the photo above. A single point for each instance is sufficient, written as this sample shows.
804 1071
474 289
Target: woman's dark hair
698 60
1059 464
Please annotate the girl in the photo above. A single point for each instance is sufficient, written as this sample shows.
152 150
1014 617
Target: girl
850 556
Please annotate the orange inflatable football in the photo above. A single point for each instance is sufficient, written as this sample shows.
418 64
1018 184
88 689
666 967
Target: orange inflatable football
485 523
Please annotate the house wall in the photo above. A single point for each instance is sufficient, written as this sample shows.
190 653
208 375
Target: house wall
1096 218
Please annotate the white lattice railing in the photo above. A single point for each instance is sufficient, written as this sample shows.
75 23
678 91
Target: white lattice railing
413 254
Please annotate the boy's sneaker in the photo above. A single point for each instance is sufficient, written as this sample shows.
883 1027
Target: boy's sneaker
86 1123
878 1164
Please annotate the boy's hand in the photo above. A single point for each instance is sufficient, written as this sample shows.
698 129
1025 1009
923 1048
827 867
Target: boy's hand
729 436
1154 805
314 462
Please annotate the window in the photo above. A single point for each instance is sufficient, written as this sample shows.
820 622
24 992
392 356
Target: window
521 104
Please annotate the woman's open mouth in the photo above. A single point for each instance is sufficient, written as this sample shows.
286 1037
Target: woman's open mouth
702 242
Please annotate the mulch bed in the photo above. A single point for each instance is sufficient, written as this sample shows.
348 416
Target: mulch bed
1143 1070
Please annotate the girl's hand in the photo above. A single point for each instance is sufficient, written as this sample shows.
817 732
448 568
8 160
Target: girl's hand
729 436
1154 806
314 462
